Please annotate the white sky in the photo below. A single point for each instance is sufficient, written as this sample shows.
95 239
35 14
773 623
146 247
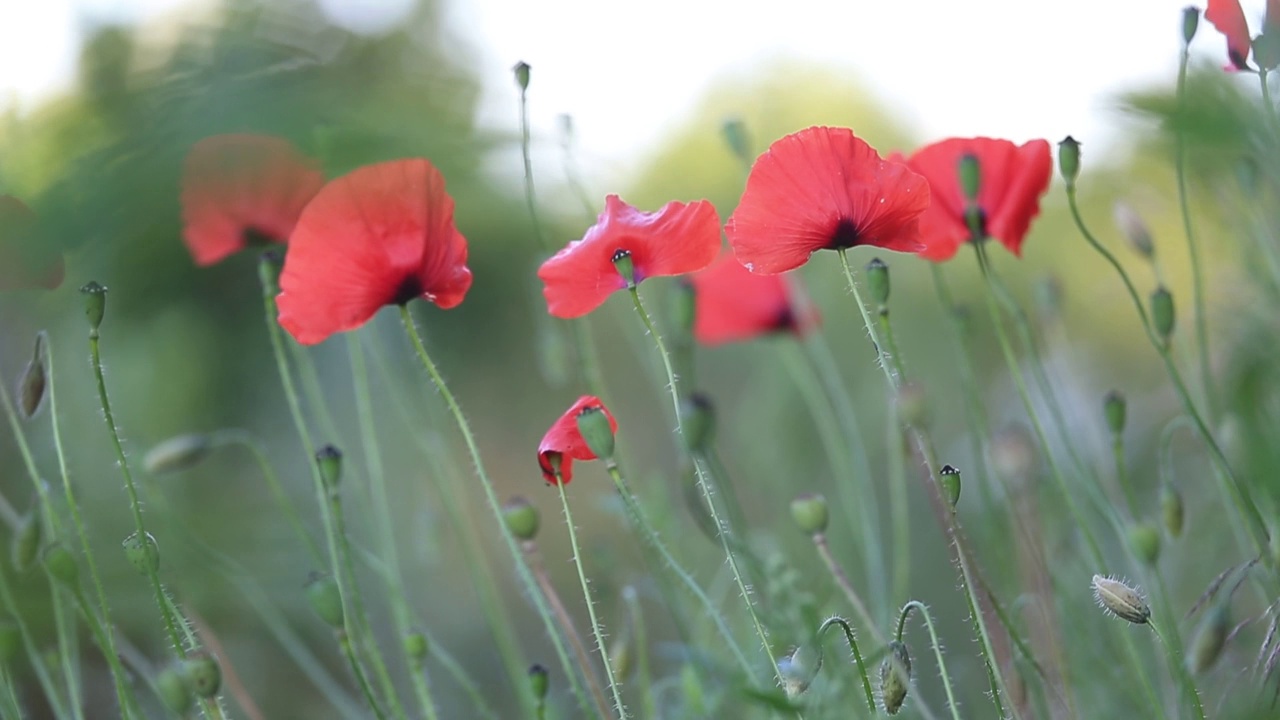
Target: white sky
627 71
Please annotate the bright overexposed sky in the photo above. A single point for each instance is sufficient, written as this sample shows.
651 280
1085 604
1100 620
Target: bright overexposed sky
627 71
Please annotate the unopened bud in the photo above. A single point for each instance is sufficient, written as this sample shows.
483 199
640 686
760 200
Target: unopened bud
1069 160
143 552
1134 229
26 541
1210 638
173 690
895 677
1144 541
203 675
593 425
177 453
1190 22
620 655
61 564
416 646
539 682
1115 410
736 137
95 305
970 177
325 598
809 511
10 642
949 479
32 382
799 669
1172 511
1162 318
698 418
1120 600
521 519
521 71
625 266
329 459
878 281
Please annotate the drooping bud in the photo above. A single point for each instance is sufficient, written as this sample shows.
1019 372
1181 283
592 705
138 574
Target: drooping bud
10 642
1190 22
173 690
912 404
878 281
61 564
203 675
895 677
521 71
539 682
177 453
26 541
32 382
1172 511
329 459
1121 600
698 417
1115 410
809 511
1134 229
625 266
1162 317
594 427
970 177
1210 638
95 305
416 646
143 552
521 519
325 598
1144 541
1069 160
949 479
269 264
799 668
736 137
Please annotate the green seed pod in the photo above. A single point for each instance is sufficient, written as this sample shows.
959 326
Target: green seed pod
1069 160
949 478
329 458
1144 541
521 518
800 668
203 675
269 265
143 552
1121 600
1172 510
625 266
177 453
1190 23
970 176
1210 638
95 305
736 137
539 682
895 677
593 425
325 598
171 685
521 71
878 281
1115 410
1162 317
416 646
809 511
32 382
61 564
10 642
25 547
698 417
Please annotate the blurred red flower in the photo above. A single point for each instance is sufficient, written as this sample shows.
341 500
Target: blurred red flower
563 443
1228 18
734 304
824 188
677 239
1013 177
243 190
27 261
380 235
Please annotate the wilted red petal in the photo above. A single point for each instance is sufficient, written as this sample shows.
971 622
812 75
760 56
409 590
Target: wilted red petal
734 304
380 235
27 260
677 239
1228 18
824 188
1012 180
564 440
238 189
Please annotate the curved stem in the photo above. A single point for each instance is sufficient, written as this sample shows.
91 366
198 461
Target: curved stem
842 579
937 649
1177 660
1193 249
857 655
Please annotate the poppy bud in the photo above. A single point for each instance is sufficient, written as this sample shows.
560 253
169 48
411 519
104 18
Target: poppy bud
1144 541
329 458
325 598
521 71
177 453
878 281
521 519
32 383
173 690
1134 229
1210 638
1114 408
594 427
61 565
895 677
10 642
1162 317
415 646
1120 600
949 478
1069 160
1172 510
809 511
1190 22
203 675
269 265
143 552
625 266
539 682
799 669
95 305
26 541
698 418
620 655
913 408
735 136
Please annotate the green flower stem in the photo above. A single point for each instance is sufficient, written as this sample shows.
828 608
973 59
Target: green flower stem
1177 661
899 506
857 655
635 616
1193 248
842 580
597 630
9 706
383 520
345 590
312 391
1231 484
1122 475
34 655
68 649
937 649
212 706
491 495
705 485
642 525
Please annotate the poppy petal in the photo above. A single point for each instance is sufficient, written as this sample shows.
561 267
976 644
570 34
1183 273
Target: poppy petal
823 188
734 304
565 441
237 187
679 238
27 260
380 235
1228 18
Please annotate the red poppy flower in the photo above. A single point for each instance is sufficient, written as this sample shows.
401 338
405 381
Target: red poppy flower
1013 178
27 261
734 304
824 188
563 443
240 190
1228 18
380 235
680 238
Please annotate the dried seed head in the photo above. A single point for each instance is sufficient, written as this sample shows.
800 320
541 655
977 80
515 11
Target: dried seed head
521 518
142 552
1121 600
32 382
895 677
177 453
809 511
203 675
1210 638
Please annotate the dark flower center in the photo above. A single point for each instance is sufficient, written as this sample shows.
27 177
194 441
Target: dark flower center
253 237
976 218
409 288
786 321
845 235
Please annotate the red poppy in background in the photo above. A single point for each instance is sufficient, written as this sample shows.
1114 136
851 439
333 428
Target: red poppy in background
824 189
380 235
242 190
734 304
27 261
1228 18
680 238
563 443
1012 179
